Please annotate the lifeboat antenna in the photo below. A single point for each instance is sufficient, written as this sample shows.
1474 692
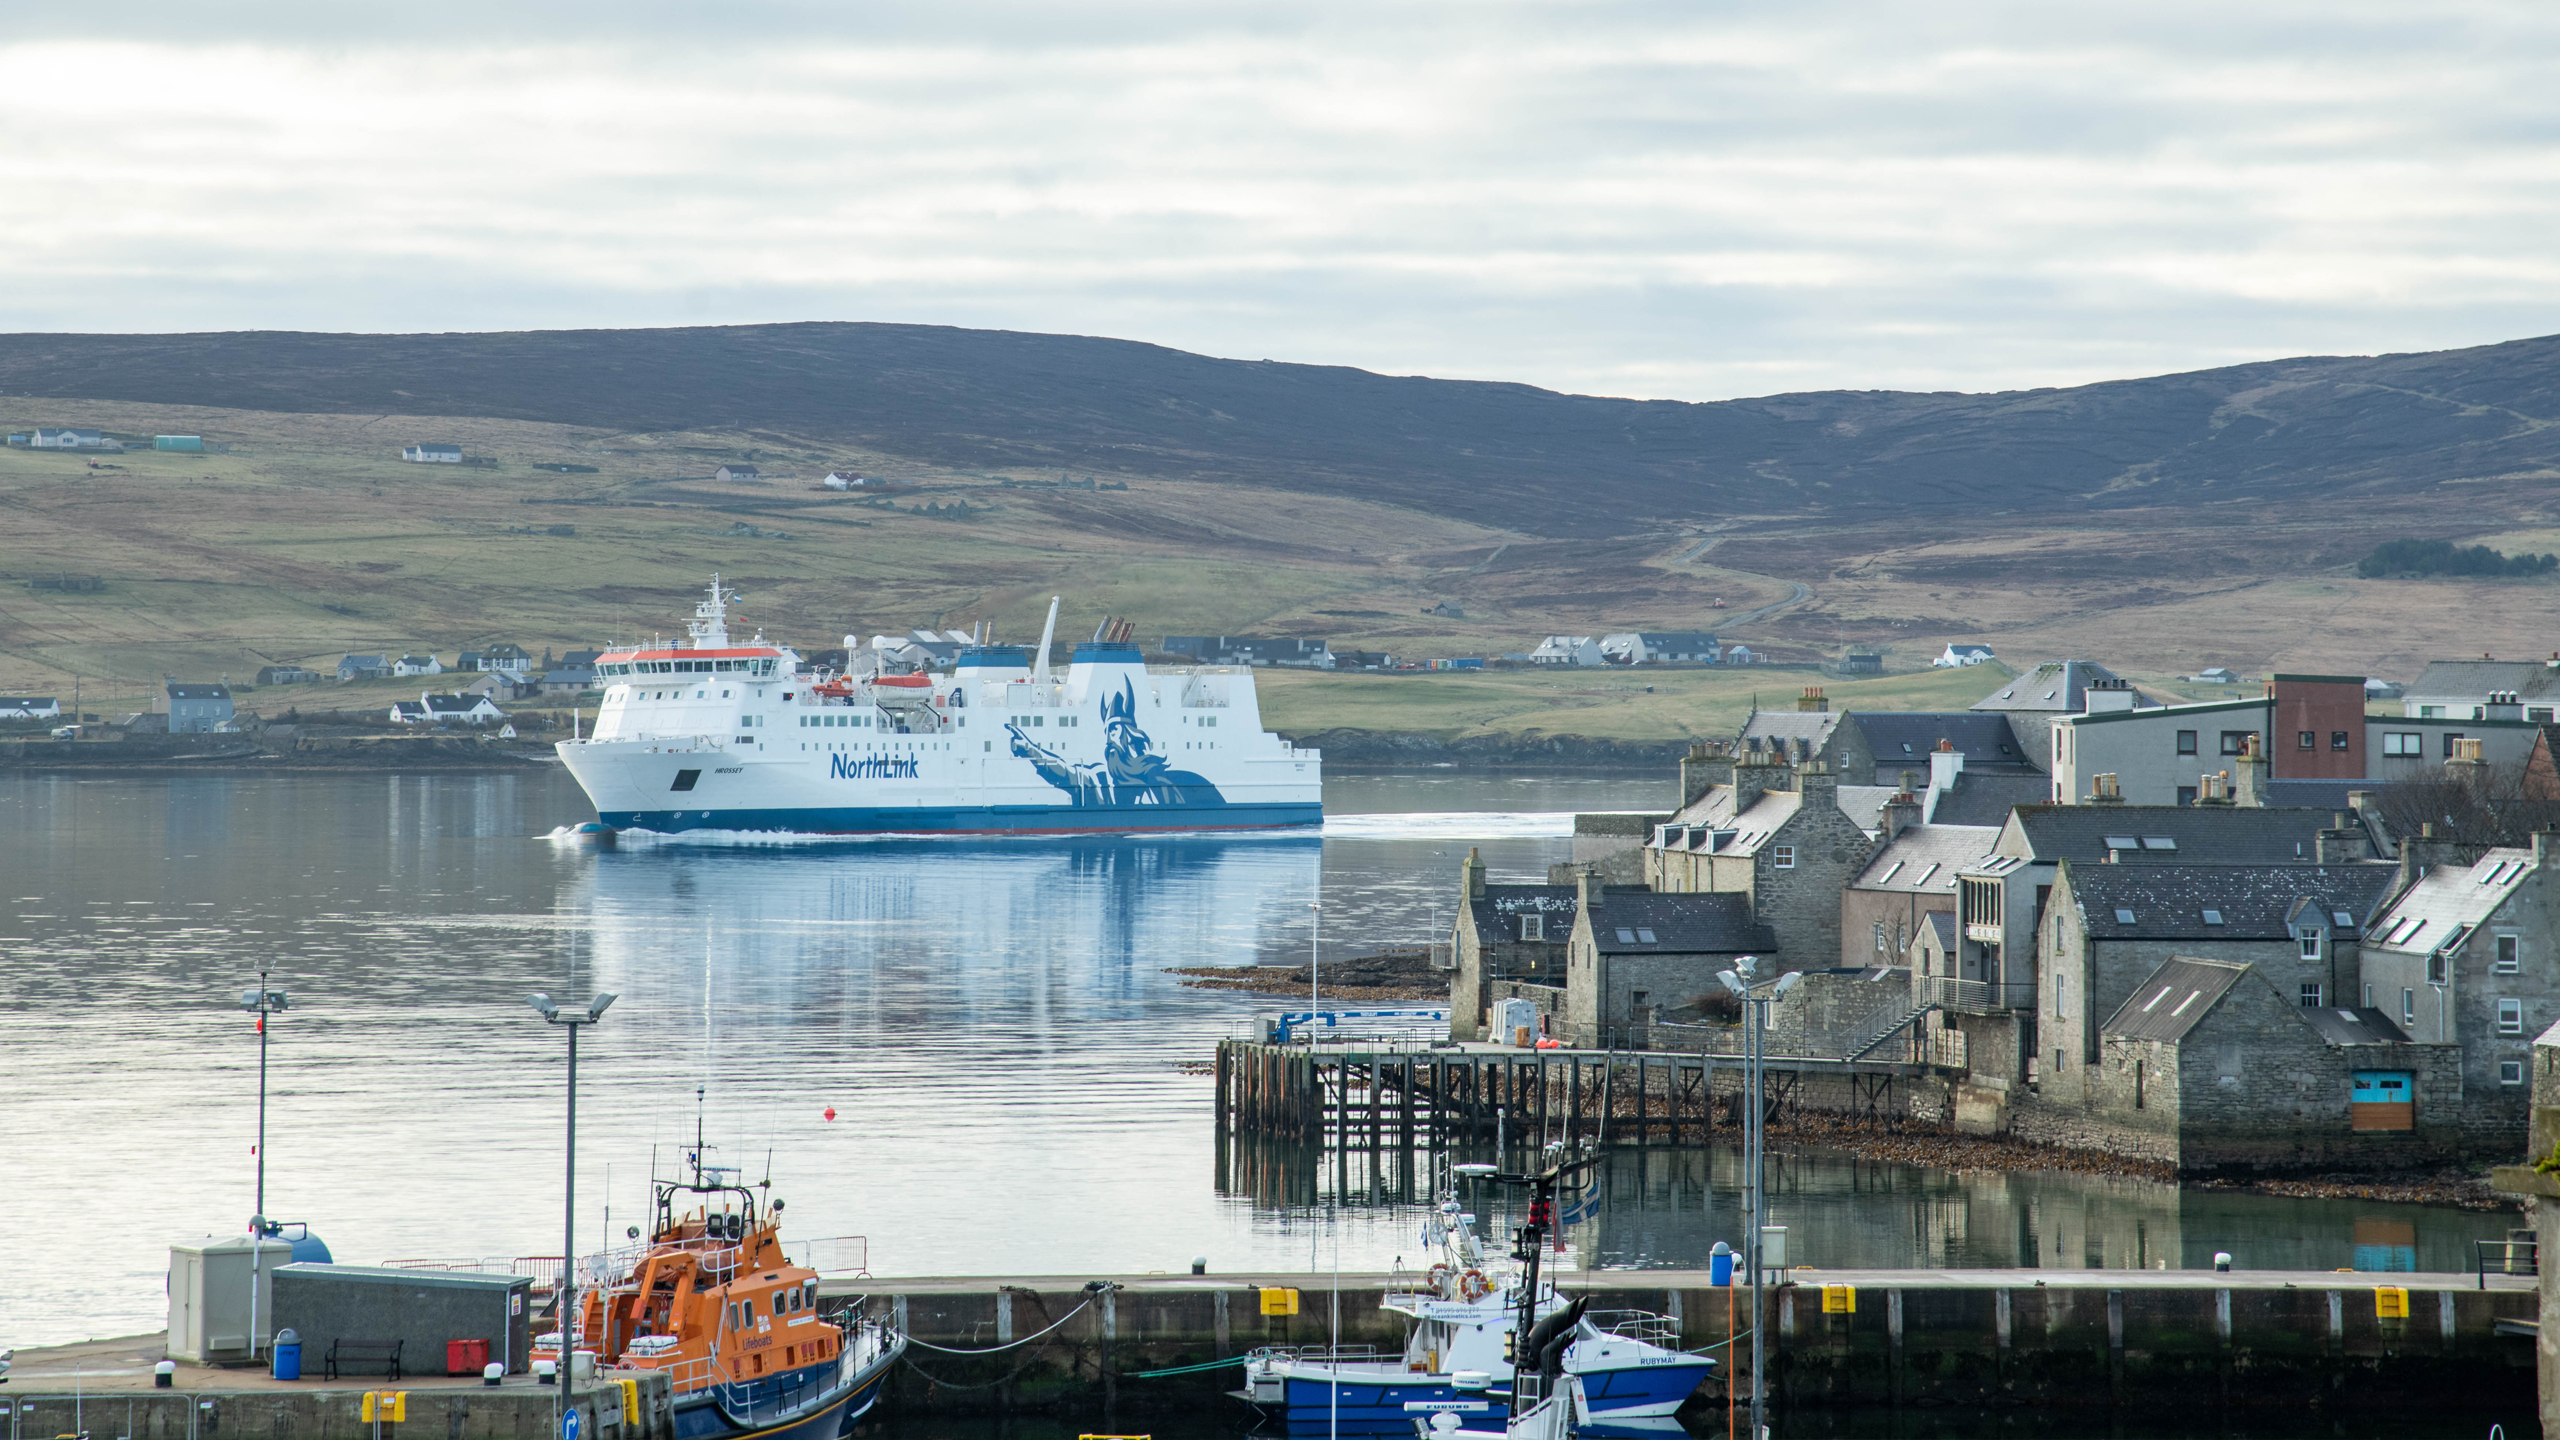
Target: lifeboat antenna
1048 633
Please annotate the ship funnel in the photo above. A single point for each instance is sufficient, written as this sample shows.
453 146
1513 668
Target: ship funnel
1048 633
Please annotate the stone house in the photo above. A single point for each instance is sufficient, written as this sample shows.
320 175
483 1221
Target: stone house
2000 905
2464 955
197 709
2210 1065
1504 937
1885 906
1877 747
1639 954
1756 826
363 667
2109 925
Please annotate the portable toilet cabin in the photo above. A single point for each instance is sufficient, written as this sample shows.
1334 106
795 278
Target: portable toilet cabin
1515 1021
210 1319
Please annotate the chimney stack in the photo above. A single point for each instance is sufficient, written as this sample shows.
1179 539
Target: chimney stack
1945 764
1900 813
1755 774
1708 764
2250 787
1471 873
2464 766
2105 789
2214 789
1588 891
1812 700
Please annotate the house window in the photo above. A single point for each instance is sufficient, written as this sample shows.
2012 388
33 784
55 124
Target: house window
2430 712
2311 995
1879 936
1640 998
2452 739
2337 739
1533 927
2404 742
2310 943
2408 1007
2510 955
2438 971
2306 740
1783 856
2186 742
2235 741
2510 1072
2368 997
2510 1017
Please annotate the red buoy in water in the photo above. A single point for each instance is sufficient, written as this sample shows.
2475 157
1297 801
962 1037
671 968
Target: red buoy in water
831 1112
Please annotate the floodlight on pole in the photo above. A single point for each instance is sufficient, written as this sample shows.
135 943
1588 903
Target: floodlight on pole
567 1290
261 1002
1732 982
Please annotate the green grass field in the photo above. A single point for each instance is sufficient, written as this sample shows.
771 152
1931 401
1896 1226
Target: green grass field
1603 704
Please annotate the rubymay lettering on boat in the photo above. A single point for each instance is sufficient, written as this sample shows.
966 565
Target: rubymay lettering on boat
707 735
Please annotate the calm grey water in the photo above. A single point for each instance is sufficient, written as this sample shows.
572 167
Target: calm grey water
990 1021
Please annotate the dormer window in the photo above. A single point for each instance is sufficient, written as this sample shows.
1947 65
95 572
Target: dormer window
1533 926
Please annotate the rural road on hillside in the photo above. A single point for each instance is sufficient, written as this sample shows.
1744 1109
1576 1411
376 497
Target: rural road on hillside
1803 593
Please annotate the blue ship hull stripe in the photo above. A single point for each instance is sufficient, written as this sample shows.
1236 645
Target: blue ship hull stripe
972 820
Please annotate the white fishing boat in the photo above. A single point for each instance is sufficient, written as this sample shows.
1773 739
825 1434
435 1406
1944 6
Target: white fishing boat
1622 1368
711 734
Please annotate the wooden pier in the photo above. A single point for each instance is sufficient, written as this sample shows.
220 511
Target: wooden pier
1397 1095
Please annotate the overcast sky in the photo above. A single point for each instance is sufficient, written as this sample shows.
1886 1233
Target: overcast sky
1684 200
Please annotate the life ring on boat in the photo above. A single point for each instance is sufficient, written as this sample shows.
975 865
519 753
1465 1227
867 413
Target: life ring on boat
1438 1279
1472 1286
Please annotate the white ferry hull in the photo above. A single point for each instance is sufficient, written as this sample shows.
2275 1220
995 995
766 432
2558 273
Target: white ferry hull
711 736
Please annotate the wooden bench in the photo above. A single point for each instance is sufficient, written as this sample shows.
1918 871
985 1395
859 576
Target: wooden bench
385 1353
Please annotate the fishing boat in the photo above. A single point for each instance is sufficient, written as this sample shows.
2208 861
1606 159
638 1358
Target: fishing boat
710 734
710 1299
1624 1366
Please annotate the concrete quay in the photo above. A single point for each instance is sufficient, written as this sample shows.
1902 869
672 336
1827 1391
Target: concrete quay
2104 1340
103 1388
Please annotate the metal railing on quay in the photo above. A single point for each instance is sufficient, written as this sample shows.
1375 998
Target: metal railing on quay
2512 1257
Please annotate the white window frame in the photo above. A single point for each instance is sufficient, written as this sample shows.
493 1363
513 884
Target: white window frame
2510 1016
2403 743
1533 926
2310 936
2510 1072
1782 857
2506 949
2313 994
2408 1007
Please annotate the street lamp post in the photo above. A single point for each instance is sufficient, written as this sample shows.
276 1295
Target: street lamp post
261 1002
568 1287
1743 981
1315 915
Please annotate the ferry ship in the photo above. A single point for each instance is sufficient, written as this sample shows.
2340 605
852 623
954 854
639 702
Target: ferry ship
704 734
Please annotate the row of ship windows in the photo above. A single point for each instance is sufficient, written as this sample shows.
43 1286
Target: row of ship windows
691 667
875 745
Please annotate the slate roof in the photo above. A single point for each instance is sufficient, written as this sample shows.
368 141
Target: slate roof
183 690
2329 795
2169 1002
1813 727
1925 859
1496 915
1943 922
1864 804
1905 738
2253 902
2364 1026
2450 902
1695 828
2205 834
2060 686
1715 923
1987 799
2474 679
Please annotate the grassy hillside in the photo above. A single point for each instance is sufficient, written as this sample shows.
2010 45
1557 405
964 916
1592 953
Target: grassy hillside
1603 704
1558 464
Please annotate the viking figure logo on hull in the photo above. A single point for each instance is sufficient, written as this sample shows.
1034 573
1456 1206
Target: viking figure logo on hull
1131 773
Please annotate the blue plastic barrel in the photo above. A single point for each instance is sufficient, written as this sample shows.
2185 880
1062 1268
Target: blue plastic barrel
1720 1264
288 1355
